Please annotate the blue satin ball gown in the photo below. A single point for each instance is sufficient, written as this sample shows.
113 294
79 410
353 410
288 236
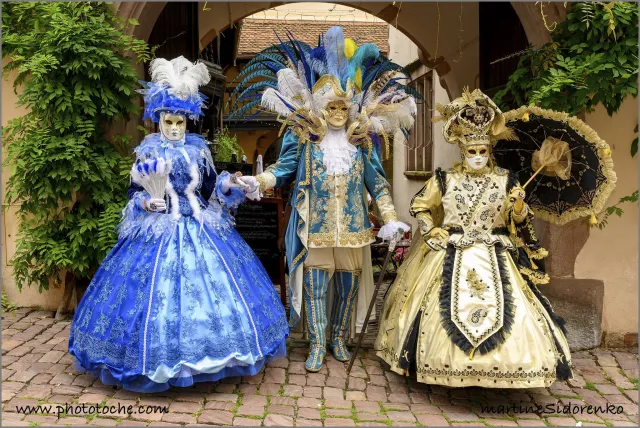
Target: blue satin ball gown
181 298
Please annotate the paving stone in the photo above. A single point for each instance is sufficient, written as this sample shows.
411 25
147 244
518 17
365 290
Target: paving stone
367 406
396 397
216 396
285 401
295 379
378 380
632 395
308 413
333 393
337 404
253 380
309 402
225 406
247 389
561 421
254 400
251 410
274 375
72 421
184 407
225 388
292 391
297 368
278 420
269 389
215 417
307 423
376 393
356 384
531 423
335 422
608 389
500 422
399 388
312 391
179 418
41 420
246 422
281 410
401 416
358 372
338 412
459 414
371 424
186 395
371 416
396 406
356 396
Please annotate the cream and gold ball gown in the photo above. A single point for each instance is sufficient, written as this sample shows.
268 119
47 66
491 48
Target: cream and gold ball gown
466 310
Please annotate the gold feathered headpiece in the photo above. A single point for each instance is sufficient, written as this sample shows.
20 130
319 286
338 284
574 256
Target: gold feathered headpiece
473 119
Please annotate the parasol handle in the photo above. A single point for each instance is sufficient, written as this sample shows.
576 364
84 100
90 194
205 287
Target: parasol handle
533 176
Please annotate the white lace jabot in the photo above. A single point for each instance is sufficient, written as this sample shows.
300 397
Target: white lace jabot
337 151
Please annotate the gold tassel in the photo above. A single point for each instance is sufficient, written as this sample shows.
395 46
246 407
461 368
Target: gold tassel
512 226
594 220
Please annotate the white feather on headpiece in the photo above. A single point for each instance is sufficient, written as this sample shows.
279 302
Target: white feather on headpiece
181 76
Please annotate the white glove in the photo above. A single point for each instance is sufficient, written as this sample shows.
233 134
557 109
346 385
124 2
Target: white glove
155 205
253 196
393 231
251 182
233 181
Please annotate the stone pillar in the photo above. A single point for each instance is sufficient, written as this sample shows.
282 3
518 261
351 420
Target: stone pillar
579 301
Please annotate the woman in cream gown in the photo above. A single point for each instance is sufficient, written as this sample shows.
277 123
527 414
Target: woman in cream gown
465 309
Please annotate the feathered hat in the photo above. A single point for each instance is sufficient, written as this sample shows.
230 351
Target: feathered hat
297 82
174 88
473 119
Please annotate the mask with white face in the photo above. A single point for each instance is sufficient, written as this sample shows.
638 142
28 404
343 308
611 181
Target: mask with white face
337 114
173 126
476 157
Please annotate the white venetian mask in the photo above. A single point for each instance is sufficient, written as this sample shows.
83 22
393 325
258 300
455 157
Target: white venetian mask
338 114
173 126
476 157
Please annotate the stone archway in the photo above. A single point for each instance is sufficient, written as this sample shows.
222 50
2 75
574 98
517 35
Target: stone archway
442 31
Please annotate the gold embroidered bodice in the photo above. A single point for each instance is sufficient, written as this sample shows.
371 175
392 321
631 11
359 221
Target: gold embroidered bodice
476 207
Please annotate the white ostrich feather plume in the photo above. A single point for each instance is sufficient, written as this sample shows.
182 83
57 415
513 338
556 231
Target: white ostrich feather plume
181 75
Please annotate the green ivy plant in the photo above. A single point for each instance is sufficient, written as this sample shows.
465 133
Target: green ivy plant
226 145
592 59
75 77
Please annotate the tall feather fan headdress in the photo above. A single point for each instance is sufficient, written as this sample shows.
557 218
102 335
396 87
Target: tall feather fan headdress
174 88
297 82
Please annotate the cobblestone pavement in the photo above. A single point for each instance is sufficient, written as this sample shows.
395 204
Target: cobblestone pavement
36 369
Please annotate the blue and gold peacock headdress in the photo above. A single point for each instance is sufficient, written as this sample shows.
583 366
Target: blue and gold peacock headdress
297 82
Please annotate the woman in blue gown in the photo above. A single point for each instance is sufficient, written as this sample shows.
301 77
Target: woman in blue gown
181 298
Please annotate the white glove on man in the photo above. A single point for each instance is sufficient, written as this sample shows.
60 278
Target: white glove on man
251 182
155 205
393 231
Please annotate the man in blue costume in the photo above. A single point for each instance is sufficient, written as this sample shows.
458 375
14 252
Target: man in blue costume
341 103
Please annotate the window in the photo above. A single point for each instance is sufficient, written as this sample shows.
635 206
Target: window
419 146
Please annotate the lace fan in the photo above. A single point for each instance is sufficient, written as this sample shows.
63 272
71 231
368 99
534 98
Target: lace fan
152 175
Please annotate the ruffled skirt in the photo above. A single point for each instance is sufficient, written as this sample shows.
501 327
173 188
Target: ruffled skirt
191 305
466 317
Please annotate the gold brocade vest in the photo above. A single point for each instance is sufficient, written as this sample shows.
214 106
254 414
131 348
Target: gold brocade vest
338 215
